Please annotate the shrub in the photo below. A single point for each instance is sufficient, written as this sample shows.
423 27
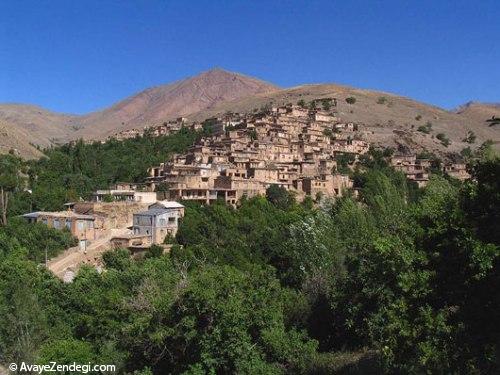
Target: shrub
350 100
381 100
470 137
444 139
418 117
427 128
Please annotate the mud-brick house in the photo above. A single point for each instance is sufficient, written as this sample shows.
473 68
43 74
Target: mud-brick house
124 196
456 170
81 226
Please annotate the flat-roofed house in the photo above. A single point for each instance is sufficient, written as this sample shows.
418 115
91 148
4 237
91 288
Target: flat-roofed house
124 196
158 221
80 226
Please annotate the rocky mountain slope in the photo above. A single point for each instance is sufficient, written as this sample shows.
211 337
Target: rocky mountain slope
388 119
14 140
182 98
23 126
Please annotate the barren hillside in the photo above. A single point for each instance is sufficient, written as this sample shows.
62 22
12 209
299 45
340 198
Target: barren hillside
181 98
15 140
393 119
388 119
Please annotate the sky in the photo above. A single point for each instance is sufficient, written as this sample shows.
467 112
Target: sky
81 56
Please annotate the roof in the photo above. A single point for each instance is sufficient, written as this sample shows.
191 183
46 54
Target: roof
169 204
152 212
59 214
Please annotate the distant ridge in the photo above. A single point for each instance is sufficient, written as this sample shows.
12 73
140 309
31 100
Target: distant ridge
180 98
390 120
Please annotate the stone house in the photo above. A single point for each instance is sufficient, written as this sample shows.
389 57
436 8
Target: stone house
81 226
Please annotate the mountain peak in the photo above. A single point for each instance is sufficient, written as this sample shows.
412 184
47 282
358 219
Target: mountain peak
182 98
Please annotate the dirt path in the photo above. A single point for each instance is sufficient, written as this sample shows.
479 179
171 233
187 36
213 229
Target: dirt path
67 264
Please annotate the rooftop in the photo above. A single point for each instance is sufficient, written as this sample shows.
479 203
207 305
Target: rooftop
59 214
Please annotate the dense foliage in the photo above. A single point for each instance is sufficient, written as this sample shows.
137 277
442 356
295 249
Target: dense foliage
75 170
394 281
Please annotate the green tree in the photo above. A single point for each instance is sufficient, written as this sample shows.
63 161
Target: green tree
10 181
279 196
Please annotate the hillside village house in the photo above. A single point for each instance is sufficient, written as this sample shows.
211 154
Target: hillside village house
457 170
289 146
125 195
417 170
152 226
81 226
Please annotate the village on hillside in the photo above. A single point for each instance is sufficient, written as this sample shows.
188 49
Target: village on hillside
293 147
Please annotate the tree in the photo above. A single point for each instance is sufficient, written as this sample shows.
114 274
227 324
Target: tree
301 103
279 196
470 137
444 139
493 121
10 181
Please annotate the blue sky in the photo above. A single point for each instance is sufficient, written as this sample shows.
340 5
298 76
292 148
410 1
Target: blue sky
80 56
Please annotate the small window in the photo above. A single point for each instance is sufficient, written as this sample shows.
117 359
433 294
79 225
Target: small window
80 225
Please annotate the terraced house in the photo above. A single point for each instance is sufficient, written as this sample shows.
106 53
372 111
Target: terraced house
289 146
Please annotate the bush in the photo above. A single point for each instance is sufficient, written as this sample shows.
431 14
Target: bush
279 196
382 100
350 100
418 117
427 128
444 139
470 137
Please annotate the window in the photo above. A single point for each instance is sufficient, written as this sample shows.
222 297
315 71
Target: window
44 220
81 225
68 223
171 220
57 224
162 222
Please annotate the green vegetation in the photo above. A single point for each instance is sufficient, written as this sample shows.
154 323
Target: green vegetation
427 128
444 139
470 137
391 282
344 160
382 100
326 104
350 100
493 121
418 117
69 172
328 132
302 103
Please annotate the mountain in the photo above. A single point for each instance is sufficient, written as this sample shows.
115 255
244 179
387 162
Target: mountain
181 98
479 111
388 119
14 140
23 126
